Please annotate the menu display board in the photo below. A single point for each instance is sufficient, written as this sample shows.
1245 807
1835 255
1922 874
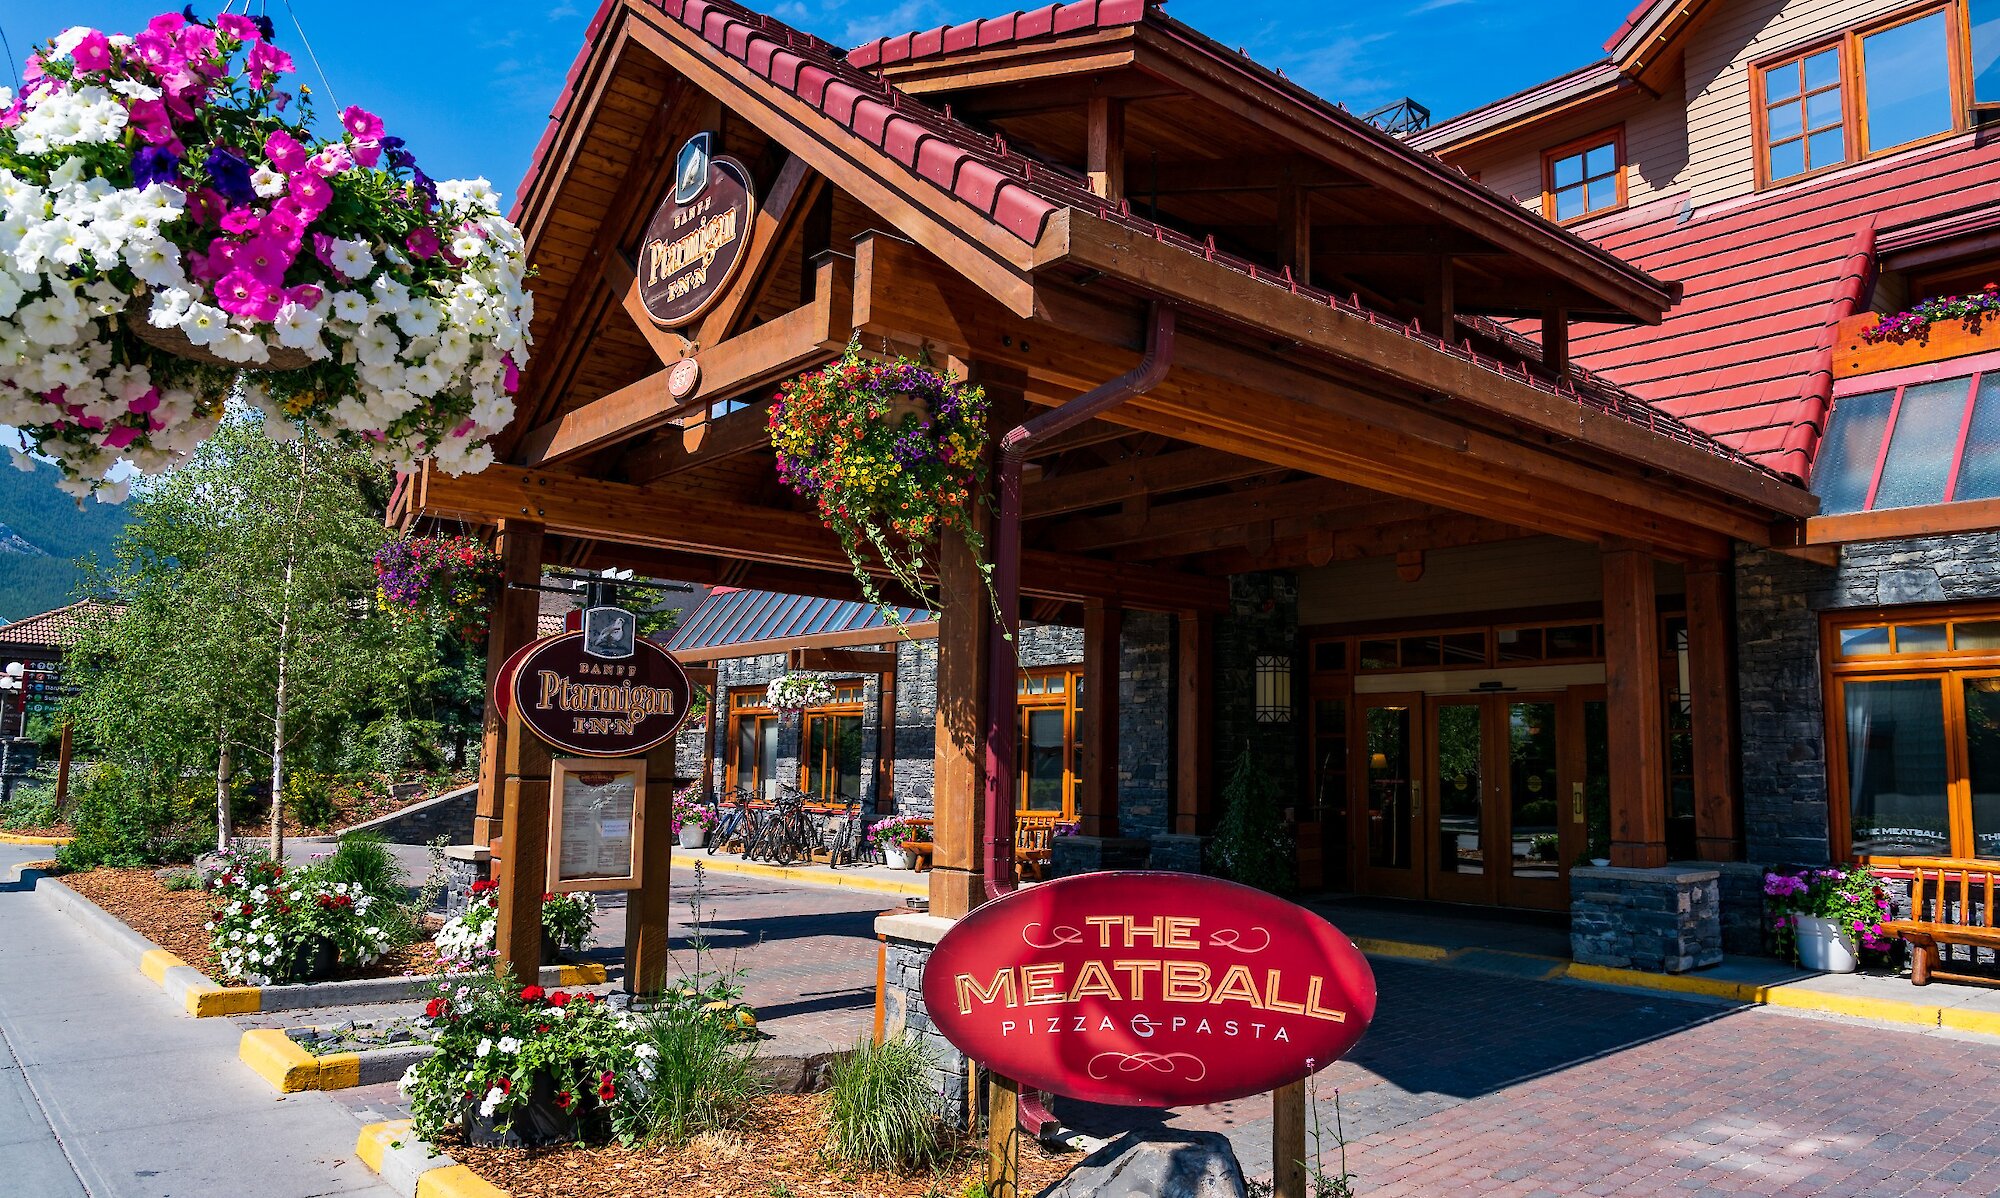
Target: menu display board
597 814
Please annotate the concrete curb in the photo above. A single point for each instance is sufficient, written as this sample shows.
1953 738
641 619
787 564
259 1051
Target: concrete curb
414 1169
818 876
17 838
274 1056
1790 997
194 993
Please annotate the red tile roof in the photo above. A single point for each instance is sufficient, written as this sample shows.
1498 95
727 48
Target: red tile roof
58 629
1743 356
1051 20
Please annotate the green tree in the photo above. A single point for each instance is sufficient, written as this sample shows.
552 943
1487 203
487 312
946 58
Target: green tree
242 623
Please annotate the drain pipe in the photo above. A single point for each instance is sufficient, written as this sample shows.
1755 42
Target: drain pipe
1000 739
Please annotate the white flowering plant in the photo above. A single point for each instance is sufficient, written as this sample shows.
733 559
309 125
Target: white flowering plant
264 913
499 1044
172 229
796 692
469 939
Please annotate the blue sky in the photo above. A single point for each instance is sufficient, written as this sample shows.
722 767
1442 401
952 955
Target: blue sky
469 85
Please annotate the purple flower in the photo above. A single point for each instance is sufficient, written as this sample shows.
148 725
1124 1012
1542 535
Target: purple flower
155 164
229 174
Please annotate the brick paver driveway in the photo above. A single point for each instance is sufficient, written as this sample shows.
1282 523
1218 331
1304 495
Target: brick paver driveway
1478 1083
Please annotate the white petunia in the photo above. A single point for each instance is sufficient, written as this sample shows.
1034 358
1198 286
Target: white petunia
352 258
267 182
485 1046
350 306
298 327
156 261
204 325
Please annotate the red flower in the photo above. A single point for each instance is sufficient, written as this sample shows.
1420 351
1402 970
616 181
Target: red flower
548 896
605 1090
563 1099
435 1009
506 1087
559 998
531 993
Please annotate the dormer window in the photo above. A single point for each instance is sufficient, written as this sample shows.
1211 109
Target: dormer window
1585 177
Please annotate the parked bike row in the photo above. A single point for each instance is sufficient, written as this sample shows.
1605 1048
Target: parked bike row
785 828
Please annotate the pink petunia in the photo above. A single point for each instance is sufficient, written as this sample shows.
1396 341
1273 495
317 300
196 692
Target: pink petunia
224 255
422 242
238 292
311 193
145 403
241 220
366 153
238 26
264 63
511 380
305 295
120 437
285 224
364 125
156 49
149 118
266 259
196 43
168 23
93 423
333 160
284 152
463 429
93 53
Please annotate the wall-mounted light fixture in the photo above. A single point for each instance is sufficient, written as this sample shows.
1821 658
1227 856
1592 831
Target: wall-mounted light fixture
1273 689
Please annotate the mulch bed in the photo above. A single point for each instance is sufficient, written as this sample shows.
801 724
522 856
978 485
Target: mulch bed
38 830
776 1153
173 920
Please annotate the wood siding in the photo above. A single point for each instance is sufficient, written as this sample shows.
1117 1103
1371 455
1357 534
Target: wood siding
1533 573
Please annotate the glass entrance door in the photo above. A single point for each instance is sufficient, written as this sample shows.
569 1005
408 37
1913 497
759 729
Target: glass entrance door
1540 831
1387 755
1457 829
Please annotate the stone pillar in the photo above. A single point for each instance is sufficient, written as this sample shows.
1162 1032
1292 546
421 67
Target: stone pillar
1665 920
957 876
511 626
907 941
1637 734
1717 809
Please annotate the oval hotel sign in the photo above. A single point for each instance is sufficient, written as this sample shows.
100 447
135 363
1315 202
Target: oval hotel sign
698 237
1149 989
583 700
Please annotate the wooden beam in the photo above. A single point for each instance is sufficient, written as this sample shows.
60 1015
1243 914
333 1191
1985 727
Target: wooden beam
1718 809
511 625
1295 232
1097 804
1136 474
792 193
844 661
813 642
1972 515
622 276
701 522
698 444
1214 175
1632 686
1201 515
1194 653
804 336
1104 138
1555 342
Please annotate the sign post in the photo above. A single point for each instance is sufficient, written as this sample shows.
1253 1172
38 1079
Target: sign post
613 701
1149 989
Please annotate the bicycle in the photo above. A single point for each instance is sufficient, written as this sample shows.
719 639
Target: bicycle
731 824
846 839
788 832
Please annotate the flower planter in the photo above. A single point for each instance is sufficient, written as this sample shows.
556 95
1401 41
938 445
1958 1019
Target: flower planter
1825 947
551 951
313 959
1940 342
173 341
693 836
895 856
539 1121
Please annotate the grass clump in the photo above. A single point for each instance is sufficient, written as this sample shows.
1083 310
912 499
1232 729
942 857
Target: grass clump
884 1112
695 1083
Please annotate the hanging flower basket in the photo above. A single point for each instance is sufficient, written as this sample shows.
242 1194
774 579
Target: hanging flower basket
452 577
172 230
893 455
796 692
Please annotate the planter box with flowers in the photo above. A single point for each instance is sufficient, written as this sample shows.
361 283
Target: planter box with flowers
894 834
468 940
692 819
1824 917
172 231
1936 330
453 578
277 923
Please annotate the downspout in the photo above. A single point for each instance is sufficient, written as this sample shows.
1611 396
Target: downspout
1034 1118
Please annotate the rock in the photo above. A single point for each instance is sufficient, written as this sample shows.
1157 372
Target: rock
1195 1164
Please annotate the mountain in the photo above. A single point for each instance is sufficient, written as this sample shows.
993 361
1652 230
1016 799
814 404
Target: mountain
42 533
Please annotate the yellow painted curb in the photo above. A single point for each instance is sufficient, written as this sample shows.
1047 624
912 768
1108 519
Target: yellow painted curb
339 1070
16 838
211 1001
1798 998
588 973
1983 1022
375 1140
1399 948
1677 982
156 963
818 876
1884 1010
457 1181
278 1059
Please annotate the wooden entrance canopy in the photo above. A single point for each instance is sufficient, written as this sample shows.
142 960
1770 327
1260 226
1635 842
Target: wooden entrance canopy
1340 387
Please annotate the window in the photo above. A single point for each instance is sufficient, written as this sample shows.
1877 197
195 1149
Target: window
1870 91
831 763
1913 709
1984 18
1584 177
753 745
1907 438
1049 707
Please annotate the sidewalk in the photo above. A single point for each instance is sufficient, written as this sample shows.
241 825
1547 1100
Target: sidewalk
107 1091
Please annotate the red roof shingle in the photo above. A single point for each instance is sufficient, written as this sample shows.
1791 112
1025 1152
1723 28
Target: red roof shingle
57 629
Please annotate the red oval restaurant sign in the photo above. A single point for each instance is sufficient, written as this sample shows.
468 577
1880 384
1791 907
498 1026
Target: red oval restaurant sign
597 706
1149 989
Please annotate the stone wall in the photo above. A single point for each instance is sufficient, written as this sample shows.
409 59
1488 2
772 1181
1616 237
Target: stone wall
449 815
1263 618
1659 920
1145 725
909 940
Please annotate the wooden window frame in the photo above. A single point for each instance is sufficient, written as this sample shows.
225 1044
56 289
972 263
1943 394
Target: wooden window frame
854 708
1913 519
1581 146
751 702
1854 92
1072 677
1948 669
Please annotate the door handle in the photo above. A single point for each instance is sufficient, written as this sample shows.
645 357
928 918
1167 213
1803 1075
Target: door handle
1417 797
1576 801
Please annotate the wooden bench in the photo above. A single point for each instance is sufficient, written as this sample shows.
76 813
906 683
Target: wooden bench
920 851
1951 902
1032 836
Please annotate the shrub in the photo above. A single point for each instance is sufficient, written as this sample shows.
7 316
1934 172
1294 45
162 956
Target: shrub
690 1080
364 859
124 820
1252 844
309 798
884 1111
33 805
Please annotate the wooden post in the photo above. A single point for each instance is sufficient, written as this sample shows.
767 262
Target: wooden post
62 766
957 876
1097 807
1194 649
1003 1137
1555 341
646 909
511 625
885 747
1288 1140
1632 685
522 854
1717 804
1105 147
1440 304
1295 231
